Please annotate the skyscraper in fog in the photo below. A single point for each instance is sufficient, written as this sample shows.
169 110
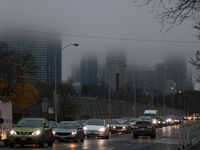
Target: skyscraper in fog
116 71
175 71
89 69
42 47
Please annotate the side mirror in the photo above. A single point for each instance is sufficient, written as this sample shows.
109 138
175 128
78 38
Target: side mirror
1 120
46 126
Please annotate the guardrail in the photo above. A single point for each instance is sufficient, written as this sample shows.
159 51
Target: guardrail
184 138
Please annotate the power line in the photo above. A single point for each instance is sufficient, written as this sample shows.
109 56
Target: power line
101 37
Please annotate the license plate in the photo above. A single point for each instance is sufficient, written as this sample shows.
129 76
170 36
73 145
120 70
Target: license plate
142 128
23 138
62 138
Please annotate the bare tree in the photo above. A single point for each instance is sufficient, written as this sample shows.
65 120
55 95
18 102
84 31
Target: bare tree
173 12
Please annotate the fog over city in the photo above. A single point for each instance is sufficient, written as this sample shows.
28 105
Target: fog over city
100 25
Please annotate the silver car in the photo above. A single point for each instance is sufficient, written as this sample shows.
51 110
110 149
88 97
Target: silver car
68 130
96 128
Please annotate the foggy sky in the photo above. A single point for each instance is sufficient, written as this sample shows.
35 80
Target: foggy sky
99 25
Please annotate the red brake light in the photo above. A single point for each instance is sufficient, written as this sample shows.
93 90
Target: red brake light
150 127
135 127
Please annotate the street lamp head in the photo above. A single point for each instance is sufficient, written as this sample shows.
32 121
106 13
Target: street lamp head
76 44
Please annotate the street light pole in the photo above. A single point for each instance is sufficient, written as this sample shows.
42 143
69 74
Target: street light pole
179 104
56 92
188 105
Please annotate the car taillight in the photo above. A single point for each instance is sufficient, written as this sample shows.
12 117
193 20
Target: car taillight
135 126
150 127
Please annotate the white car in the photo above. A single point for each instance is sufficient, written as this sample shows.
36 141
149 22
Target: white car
96 128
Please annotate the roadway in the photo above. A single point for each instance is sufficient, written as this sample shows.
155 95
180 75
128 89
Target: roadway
166 139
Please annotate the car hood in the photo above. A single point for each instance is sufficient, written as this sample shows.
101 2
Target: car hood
64 130
120 125
93 127
27 129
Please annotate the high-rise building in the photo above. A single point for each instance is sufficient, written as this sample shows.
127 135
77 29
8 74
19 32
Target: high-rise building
89 69
175 70
116 71
76 77
42 47
160 77
147 79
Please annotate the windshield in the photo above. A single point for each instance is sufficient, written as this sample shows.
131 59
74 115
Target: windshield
133 120
143 118
119 122
151 115
29 123
96 122
67 125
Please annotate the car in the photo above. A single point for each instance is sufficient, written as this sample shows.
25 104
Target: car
96 128
82 122
144 128
120 125
31 131
133 121
145 118
53 124
68 130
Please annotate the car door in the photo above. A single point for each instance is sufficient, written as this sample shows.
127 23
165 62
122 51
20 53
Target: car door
47 130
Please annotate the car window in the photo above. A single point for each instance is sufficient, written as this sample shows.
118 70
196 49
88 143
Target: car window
67 125
119 122
143 123
95 122
30 123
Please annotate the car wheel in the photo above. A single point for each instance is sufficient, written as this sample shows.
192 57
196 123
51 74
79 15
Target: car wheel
5 142
41 143
135 136
107 136
50 143
11 145
21 145
153 136
88 137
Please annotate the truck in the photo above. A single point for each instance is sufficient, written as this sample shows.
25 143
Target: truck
5 120
154 116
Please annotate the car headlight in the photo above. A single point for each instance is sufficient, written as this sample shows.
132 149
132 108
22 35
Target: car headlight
73 133
85 128
124 127
154 121
36 132
12 132
54 132
102 129
113 127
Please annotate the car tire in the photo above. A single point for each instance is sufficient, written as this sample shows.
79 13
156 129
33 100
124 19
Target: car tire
50 143
21 145
107 136
5 142
153 136
82 140
135 136
41 143
11 145
88 137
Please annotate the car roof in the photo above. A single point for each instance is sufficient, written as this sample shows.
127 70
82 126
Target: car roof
32 118
68 122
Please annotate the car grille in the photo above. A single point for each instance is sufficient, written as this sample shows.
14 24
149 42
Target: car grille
28 140
63 134
24 133
118 127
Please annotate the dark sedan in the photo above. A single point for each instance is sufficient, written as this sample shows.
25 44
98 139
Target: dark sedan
68 130
144 128
120 125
